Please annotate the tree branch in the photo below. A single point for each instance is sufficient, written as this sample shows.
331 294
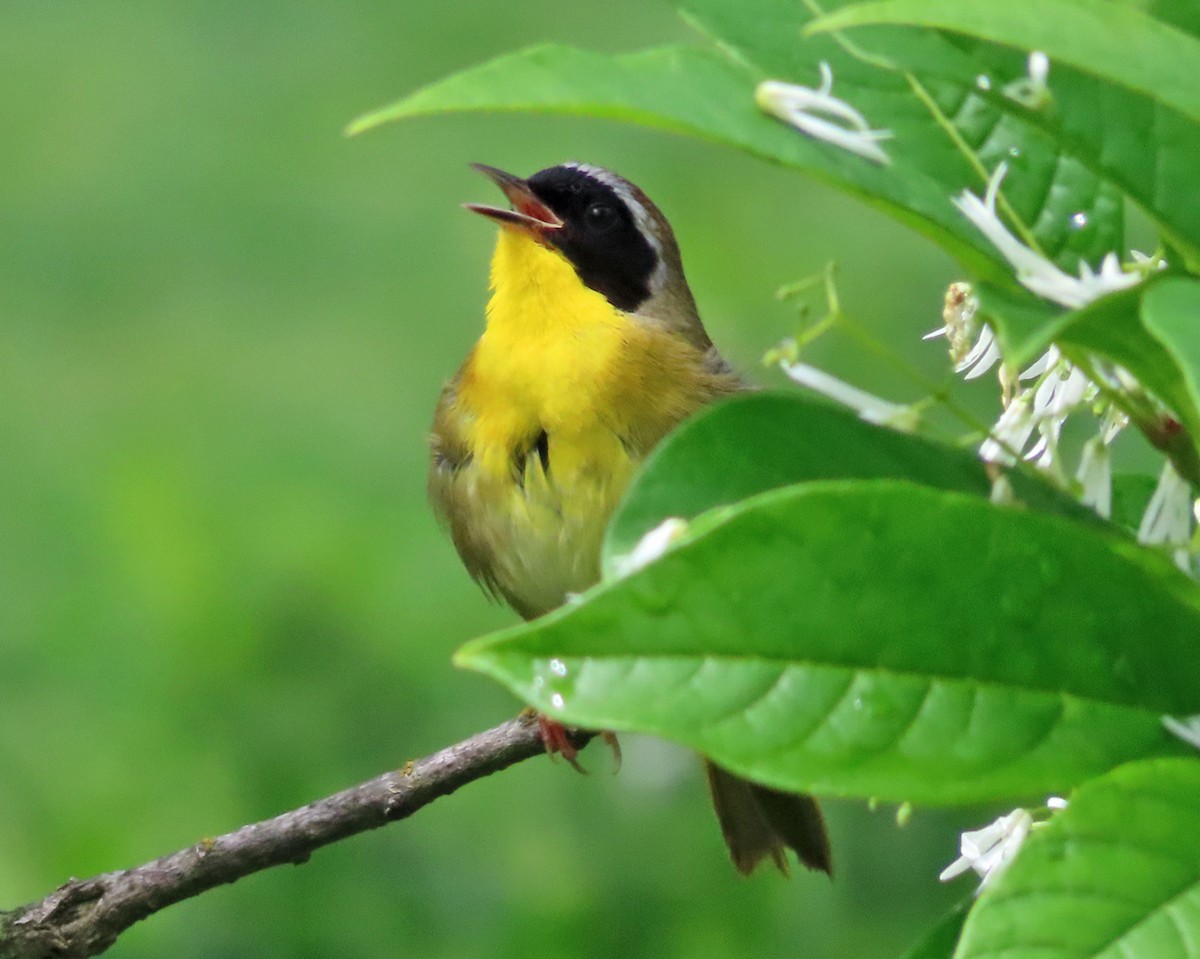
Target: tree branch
84 917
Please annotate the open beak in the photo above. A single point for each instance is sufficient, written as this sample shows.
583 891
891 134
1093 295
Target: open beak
528 212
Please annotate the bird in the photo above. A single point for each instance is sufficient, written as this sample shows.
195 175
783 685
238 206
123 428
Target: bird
593 350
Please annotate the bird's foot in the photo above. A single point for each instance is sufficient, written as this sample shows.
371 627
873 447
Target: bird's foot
557 740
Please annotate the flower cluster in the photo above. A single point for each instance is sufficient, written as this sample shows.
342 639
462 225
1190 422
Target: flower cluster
1036 404
1038 400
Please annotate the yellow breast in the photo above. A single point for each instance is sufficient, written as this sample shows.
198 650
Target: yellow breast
560 398
548 360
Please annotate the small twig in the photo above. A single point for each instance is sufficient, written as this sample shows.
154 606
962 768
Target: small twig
84 917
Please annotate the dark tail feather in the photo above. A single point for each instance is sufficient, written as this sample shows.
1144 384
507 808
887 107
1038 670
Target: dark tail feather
758 821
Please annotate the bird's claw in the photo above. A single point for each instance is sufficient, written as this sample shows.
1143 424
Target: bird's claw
610 740
557 740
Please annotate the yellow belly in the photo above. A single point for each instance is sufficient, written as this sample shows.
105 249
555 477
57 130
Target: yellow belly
535 537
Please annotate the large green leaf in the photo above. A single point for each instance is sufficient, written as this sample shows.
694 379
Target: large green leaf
1118 41
875 638
1115 874
1050 186
762 441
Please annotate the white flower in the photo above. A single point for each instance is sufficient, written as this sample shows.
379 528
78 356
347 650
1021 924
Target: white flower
990 850
1187 729
1031 90
1113 422
1062 390
868 406
1095 476
982 357
1168 516
652 545
1039 366
1011 432
840 124
1036 273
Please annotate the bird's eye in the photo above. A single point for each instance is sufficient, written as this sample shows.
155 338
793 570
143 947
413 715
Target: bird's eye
600 217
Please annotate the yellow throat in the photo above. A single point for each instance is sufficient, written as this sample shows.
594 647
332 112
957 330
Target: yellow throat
557 356
548 356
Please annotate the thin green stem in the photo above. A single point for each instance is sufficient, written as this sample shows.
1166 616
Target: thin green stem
960 144
852 48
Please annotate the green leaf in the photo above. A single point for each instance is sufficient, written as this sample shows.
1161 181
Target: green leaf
1068 164
1117 873
1146 155
875 638
1049 186
762 441
1117 41
1171 313
1134 331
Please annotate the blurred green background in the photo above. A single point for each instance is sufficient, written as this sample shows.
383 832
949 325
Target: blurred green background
222 594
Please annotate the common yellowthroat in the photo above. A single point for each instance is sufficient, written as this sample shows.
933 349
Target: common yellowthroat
593 351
